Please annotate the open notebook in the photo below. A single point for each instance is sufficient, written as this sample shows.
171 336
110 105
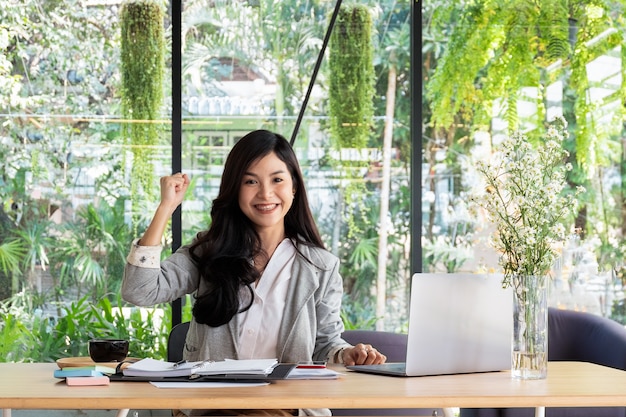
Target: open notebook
458 323
228 370
153 367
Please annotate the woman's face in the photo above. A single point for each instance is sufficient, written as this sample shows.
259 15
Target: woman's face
266 193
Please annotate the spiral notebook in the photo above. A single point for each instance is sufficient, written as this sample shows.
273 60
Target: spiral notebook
458 323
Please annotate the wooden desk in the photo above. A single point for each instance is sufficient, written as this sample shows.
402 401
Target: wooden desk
572 384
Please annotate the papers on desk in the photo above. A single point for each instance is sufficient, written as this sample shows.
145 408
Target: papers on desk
160 384
313 373
240 366
295 373
155 368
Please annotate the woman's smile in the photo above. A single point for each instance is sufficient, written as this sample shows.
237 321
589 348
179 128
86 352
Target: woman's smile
266 207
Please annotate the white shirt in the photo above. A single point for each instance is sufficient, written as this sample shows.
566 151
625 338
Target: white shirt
258 330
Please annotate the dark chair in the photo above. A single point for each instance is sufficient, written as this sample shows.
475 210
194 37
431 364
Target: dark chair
176 345
581 337
176 342
392 345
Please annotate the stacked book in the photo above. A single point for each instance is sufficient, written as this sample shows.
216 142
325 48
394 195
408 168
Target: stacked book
85 375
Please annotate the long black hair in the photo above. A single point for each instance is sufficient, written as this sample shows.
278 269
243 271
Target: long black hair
224 252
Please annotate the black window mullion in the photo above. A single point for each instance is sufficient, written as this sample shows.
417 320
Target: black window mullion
177 232
416 136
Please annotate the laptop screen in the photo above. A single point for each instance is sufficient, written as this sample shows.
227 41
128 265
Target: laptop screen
459 323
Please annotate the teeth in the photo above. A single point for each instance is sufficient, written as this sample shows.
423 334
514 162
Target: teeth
266 207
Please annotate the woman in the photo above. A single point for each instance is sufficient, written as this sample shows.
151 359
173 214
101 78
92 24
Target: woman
265 286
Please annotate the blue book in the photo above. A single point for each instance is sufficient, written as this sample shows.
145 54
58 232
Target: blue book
83 371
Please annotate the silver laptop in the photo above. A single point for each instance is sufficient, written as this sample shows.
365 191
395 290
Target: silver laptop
459 323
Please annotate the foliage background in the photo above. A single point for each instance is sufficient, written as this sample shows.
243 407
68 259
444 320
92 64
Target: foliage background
63 240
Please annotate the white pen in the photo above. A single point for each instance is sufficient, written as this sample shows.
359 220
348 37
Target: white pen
201 364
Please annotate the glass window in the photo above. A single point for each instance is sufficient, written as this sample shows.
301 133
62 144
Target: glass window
248 65
76 188
491 71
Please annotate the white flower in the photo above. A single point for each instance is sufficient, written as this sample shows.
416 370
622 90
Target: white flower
524 198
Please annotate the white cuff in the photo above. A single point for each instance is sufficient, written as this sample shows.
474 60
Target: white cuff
144 256
336 354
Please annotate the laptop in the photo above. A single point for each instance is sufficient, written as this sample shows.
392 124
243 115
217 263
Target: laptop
458 323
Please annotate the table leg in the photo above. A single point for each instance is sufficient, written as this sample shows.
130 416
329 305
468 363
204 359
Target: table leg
123 412
449 412
540 411
6 412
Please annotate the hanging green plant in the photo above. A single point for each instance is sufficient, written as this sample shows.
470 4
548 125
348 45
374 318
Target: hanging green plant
495 51
351 106
142 67
351 64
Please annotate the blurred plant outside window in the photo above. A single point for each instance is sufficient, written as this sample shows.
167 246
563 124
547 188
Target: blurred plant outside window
65 214
490 71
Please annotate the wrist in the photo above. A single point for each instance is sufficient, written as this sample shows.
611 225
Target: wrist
167 208
339 355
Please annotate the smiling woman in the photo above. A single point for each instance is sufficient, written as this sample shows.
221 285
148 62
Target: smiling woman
265 285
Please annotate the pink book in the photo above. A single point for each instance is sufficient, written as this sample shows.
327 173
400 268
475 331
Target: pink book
87 380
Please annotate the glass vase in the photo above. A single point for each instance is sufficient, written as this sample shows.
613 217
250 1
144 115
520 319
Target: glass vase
530 327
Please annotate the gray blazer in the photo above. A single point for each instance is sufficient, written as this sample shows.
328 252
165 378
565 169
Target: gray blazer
311 327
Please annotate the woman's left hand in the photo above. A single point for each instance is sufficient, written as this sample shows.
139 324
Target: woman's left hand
362 354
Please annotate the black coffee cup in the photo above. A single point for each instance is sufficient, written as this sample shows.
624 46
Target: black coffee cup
108 350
